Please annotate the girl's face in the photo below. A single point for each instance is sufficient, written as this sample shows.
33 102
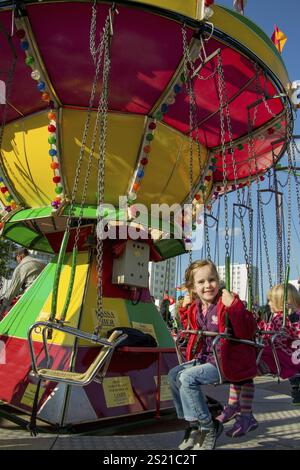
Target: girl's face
206 284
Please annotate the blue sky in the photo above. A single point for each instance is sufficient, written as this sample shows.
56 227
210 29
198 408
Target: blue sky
267 13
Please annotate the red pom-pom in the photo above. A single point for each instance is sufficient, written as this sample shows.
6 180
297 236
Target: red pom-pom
56 179
51 128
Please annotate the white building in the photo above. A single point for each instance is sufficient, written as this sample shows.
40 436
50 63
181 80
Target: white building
239 279
162 278
44 257
295 283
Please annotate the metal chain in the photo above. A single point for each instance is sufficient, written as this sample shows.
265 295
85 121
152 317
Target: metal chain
187 61
217 251
189 65
103 108
259 249
252 154
207 243
291 148
289 129
261 91
284 244
84 140
278 229
93 50
224 163
231 149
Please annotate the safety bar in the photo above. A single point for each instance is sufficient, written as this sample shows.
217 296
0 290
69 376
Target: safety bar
275 335
217 337
64 329
230 338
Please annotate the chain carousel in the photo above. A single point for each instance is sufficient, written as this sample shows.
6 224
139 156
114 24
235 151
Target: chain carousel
112 107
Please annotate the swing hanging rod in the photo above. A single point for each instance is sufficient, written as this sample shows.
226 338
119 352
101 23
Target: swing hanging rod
243 205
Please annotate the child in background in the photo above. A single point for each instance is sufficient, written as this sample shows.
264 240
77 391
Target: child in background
286 345
205 309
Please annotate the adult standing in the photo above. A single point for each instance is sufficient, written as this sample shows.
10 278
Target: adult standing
26 272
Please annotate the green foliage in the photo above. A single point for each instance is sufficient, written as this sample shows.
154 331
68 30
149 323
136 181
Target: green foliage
6 252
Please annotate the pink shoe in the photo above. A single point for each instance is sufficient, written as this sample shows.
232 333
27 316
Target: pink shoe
228 413
242 425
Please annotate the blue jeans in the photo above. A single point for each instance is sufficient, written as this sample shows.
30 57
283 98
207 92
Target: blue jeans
185 381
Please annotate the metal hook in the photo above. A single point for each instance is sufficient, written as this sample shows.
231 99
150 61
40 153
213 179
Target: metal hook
112 11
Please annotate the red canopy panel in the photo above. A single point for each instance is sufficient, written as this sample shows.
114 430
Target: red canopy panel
146 50
266 147
24 98
243 89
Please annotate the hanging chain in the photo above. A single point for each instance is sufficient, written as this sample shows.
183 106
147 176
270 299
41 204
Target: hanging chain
292 148
224 163
103 111
223 93
207 244
84 140
189 70
187 62
289 130
252 154
278 226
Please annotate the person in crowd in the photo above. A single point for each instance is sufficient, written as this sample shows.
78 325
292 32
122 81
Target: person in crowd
287 344
177 326
172 307
205 308
164 308
27 270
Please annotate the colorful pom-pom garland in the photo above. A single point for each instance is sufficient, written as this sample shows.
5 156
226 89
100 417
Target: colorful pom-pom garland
52 127
11 203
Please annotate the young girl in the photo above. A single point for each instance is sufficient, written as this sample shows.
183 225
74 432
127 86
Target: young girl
205 309
287 344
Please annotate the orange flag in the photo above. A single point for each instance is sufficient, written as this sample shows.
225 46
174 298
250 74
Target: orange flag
279 38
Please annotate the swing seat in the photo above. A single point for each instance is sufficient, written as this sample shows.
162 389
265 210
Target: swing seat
217 337
262 366
95 372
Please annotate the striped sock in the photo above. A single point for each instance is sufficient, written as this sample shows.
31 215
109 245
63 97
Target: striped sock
247 394
234 394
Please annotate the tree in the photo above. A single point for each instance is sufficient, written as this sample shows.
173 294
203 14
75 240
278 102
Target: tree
6 250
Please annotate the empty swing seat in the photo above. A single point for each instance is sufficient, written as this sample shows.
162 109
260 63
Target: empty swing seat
95 372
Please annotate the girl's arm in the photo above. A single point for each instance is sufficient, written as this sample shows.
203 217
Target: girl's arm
243 322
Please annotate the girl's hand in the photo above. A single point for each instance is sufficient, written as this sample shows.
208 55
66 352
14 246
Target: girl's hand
227 298
186 301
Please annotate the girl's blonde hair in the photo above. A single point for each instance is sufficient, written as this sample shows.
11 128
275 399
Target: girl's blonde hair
276 296
190 273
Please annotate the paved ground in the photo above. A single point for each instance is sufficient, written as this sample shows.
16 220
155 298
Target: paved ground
279 428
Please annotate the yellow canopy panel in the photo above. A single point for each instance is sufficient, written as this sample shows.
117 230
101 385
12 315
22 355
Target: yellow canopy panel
167 175
122 148
26 160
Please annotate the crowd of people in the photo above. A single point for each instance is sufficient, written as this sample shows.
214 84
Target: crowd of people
207 307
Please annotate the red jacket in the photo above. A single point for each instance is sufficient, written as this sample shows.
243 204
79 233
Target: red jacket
238 361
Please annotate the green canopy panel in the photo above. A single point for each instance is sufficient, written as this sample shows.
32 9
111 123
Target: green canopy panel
170 248
21 234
